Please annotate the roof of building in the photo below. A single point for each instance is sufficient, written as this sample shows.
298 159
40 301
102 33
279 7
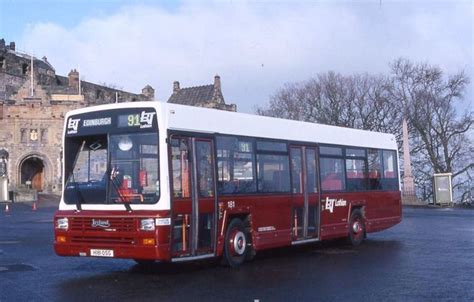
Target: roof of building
37 63
192 95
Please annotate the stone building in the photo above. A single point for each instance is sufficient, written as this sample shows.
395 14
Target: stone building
209 96
33 103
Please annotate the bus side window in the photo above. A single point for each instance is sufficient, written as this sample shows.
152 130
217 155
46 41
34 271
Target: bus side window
181 168
273 173
205 168
390 177
296 170
356 172
332 169
332 174
375 169
311 177
235 164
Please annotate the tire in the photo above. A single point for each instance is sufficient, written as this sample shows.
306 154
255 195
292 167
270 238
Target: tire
251 252
235 245
356 228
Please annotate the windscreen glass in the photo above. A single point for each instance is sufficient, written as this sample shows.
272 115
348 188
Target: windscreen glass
122 168
112 159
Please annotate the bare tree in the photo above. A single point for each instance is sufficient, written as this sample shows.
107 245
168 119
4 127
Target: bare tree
288 103
439 134
357 101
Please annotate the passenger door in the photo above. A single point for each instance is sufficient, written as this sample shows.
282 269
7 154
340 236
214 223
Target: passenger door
305 210
193 200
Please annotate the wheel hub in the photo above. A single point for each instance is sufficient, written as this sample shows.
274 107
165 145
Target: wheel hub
356 227
239 243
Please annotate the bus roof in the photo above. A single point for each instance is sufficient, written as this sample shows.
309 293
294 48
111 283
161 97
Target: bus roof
198 119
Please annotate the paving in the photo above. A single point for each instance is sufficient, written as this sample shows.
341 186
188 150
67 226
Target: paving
427 257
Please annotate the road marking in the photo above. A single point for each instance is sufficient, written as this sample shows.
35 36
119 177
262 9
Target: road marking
9 242
18 267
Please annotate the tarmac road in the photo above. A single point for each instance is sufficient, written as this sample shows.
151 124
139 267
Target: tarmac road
428 257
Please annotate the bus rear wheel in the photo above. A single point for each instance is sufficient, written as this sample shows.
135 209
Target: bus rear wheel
356 228
235 245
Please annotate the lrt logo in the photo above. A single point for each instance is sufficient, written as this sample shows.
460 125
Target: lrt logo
72 126
146 119
332 202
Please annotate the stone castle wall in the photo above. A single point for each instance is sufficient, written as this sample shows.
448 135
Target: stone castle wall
31 122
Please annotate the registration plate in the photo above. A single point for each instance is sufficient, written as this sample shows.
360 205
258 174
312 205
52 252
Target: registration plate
102 253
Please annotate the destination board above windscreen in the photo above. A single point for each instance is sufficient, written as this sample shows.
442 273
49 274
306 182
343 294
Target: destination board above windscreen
112 121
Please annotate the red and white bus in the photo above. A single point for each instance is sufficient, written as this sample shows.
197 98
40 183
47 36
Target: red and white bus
162 182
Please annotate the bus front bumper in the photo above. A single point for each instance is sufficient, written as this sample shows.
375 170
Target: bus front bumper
160 252
112 235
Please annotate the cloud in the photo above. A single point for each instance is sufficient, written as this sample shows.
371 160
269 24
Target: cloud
254 47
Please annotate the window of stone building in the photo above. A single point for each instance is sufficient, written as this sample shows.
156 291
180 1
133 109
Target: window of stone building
23 137
2 62
44 135
99 94
24 68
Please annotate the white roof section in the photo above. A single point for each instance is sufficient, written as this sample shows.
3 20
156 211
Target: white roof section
197 119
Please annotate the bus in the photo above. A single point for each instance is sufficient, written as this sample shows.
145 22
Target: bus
152 181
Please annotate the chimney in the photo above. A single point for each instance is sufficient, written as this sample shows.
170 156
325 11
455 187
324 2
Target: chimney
149 92
217 82
176 86
2 43
12 46
73 76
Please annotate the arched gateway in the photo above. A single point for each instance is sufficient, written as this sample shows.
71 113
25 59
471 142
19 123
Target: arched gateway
32 171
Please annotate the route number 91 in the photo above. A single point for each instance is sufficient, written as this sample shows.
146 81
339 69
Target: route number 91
133 120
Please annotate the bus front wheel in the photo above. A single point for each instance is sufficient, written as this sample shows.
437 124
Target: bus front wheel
235 246
356 228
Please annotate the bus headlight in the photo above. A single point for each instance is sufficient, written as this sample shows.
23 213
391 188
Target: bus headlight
147 224
62 224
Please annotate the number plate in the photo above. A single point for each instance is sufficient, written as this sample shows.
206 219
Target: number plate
102 253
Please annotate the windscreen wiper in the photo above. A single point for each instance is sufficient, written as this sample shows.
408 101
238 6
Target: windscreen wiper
80 198
116 185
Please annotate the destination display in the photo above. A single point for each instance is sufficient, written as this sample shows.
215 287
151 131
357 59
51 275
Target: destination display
111 121
128 120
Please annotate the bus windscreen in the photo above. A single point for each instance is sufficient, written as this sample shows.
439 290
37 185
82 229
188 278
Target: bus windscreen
111 169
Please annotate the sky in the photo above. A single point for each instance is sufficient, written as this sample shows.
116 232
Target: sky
255 47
